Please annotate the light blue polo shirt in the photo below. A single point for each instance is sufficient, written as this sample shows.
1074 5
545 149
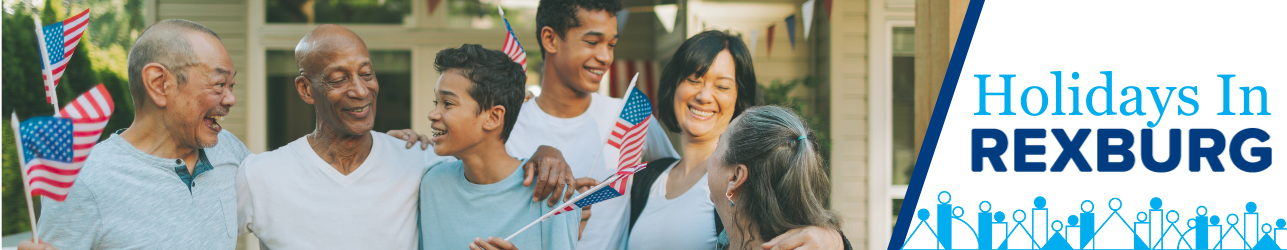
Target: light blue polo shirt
126 199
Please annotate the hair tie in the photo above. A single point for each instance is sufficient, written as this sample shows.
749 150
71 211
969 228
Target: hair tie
801 137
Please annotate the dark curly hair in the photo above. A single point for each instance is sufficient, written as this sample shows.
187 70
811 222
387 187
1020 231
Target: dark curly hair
497 80
560 15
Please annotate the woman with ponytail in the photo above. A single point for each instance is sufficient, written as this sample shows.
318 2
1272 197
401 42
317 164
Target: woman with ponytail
767 178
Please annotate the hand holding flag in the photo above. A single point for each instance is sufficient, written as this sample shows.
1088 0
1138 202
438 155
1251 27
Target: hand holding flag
592 196
628 135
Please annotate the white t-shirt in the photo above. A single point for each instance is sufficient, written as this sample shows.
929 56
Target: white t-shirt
292 199
686 222
581 139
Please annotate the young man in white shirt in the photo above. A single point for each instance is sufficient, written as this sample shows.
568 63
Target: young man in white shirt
577 38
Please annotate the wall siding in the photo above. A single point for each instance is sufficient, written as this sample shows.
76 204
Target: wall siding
847 80
228 19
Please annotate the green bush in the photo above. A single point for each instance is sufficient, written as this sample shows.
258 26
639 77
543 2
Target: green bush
808 106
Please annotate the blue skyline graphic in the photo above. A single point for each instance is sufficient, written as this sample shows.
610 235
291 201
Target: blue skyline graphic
1155 228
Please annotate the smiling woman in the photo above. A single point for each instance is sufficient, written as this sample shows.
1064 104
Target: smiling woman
708 83
290 118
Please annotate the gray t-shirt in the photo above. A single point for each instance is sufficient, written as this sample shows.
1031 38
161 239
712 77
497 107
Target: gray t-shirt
126 199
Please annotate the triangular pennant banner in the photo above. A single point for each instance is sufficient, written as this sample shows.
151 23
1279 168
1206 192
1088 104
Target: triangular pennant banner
666 14
433 5
622 16
807 10
790 25
827 4
755 38
769 49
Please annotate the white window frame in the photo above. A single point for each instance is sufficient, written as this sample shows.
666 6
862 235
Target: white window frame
881 190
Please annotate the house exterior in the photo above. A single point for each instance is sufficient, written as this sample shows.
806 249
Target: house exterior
877 64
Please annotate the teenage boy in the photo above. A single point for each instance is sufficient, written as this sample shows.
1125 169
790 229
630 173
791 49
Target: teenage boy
577 38
479 94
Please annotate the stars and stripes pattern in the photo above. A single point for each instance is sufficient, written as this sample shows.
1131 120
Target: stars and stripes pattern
94 106
60 40
54 148
623 177
612 190
629 130
512 48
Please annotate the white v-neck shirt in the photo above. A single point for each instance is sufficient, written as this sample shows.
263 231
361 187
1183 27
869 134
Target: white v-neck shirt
292 199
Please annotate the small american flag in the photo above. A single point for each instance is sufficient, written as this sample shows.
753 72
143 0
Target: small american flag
58 41
512 48
618 188
54 148
629 130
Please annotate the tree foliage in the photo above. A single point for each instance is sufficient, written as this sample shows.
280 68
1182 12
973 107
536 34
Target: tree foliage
778 92
99 58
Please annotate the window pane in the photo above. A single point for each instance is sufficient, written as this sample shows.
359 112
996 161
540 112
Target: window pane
289 118
337 11
897 205
903 107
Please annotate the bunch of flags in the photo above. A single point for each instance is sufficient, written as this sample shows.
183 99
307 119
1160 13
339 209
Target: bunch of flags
53 148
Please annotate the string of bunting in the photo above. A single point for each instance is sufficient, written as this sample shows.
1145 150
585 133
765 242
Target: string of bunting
804 18
667 13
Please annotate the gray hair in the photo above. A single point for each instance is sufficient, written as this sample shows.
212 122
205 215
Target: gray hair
163 43
786 185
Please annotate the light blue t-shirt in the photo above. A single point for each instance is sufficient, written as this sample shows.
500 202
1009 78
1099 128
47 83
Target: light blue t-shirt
454 211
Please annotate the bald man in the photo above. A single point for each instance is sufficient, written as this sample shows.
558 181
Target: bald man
167 181
342 186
